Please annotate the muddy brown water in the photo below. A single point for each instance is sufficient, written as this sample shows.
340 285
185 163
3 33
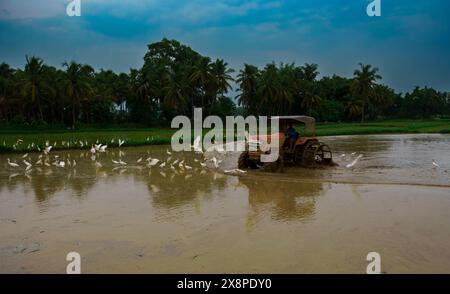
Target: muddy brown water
134 219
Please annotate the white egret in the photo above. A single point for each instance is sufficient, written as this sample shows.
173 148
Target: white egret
12 164
216 163
153 162
47 149
26 162
351 165
196 145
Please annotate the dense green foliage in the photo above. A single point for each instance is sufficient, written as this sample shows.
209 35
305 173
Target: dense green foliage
174 79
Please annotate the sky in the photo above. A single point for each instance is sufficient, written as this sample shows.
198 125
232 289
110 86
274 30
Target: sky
409 42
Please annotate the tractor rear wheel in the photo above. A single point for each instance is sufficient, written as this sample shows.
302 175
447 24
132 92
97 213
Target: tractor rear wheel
316 153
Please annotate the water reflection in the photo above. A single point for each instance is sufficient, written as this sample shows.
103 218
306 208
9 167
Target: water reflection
387 159
284 200
169 186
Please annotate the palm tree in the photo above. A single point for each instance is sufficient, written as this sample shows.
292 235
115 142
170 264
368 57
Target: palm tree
310 72
221 75
175 92
76 84
308 88
353 108
33 81
269 88
201 77
248 85
363 84
311 101
6 87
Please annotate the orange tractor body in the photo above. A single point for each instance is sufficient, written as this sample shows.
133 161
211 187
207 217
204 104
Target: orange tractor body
304 150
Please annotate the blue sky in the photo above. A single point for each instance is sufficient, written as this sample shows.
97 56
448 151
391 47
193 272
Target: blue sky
410 42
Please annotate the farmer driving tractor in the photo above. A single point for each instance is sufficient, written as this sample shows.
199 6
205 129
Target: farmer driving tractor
291 135
305 150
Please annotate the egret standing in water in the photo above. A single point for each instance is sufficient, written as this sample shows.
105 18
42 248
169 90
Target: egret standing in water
12 164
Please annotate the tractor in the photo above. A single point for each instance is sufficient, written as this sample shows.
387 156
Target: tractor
300 148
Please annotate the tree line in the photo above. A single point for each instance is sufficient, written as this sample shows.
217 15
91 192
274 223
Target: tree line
174 79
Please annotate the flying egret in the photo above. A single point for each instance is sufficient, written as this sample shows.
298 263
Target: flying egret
435 164
48 149
350 165
121 142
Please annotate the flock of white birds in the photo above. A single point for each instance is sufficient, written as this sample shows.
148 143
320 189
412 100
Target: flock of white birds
44 159
178 165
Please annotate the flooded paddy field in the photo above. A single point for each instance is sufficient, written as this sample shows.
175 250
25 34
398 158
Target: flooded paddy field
124 216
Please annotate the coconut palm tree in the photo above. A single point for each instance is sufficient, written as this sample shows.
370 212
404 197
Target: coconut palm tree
311 101
77 84
6 87
248 86
363 84
269 88
202 78
33 81
310 72
175 92
221 75
353 108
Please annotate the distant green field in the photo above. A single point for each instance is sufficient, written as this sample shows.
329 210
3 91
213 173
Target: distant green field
29 140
